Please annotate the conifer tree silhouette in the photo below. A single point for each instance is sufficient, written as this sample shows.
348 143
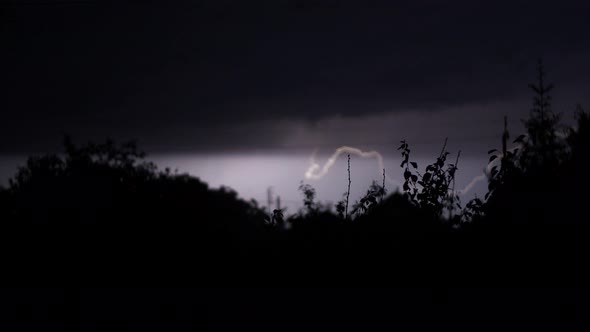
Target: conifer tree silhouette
542 148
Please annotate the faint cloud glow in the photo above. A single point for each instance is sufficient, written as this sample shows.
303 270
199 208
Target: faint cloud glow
316 172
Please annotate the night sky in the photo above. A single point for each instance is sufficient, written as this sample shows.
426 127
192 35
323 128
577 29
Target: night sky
254 78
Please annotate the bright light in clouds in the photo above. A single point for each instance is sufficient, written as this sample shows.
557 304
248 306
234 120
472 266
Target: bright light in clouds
471 184
316 172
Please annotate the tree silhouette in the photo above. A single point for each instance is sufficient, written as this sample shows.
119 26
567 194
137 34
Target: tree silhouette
104 204
542 147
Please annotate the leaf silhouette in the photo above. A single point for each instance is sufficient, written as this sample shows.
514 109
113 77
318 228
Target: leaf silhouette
519 139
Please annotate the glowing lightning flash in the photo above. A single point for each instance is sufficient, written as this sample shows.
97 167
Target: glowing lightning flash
316 172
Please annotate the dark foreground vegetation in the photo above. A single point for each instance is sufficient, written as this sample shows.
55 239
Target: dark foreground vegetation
101 212
101 215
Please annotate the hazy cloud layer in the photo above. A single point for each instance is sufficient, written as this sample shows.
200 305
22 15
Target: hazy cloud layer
225 75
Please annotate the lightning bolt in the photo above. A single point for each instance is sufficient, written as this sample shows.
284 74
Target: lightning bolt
471 184
487 170
316 172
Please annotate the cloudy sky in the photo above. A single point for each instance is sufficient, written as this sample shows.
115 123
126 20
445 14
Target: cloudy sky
282 76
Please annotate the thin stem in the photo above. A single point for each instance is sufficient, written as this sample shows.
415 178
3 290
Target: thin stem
505 137
348 191
383 187
444 147
453 186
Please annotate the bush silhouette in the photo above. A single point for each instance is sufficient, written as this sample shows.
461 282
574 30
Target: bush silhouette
537 183
106 203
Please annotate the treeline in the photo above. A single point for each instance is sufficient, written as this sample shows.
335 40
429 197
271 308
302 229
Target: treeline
102 210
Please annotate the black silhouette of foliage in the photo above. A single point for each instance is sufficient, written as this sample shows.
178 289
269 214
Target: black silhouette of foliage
277 218
108 184
542 148
538 152
577 139
310 206
473 210
504 164
105 205
341 207
540 180
432 189
369 200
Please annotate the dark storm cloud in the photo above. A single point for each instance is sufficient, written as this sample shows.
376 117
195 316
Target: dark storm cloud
186 72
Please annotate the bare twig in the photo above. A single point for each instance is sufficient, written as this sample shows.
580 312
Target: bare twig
383 186
444 147
505 137
348 191
453 186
